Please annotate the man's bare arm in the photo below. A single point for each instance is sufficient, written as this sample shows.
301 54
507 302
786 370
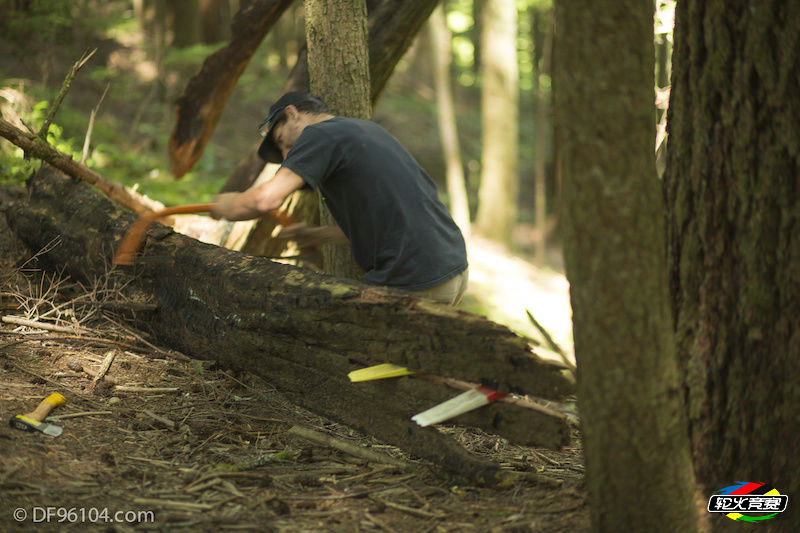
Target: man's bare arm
257 201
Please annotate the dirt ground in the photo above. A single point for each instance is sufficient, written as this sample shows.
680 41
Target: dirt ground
164 442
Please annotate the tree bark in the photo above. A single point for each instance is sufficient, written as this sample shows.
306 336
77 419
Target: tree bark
301 330
338 68
448 130
731 187
632 417
497 207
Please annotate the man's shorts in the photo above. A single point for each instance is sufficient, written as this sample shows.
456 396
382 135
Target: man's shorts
450 292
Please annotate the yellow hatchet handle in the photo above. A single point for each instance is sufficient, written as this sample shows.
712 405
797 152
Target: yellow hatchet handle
47 405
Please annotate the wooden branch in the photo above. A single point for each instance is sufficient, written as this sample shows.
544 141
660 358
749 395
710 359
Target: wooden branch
51 114
34 146
41 325
158 418
128 388
350 449
104 368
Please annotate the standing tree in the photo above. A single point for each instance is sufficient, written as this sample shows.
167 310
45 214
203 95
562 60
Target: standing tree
638 464
543 102
732 194
448 130
338 68
497 208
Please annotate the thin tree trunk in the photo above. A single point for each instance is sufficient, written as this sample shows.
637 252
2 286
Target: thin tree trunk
632 414
216 20
734 242
185 22
542 109
497 208
338 68
448 131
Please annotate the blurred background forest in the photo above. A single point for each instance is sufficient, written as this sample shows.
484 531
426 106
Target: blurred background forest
147 50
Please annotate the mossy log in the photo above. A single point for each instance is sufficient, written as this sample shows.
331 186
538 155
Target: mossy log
301 330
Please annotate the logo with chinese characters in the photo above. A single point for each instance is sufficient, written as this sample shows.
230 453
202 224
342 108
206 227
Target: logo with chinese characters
748 502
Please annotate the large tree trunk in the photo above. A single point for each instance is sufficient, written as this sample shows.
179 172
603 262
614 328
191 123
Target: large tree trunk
301 330
497 207
734 241
338 67
632 416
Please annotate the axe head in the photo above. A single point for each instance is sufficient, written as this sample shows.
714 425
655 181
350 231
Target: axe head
26 423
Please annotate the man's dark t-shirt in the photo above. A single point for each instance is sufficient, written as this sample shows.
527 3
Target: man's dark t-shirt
385 203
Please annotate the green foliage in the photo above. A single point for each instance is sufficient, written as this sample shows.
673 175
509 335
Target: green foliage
48 20
14 168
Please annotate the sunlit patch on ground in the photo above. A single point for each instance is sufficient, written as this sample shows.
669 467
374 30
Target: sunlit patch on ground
503 287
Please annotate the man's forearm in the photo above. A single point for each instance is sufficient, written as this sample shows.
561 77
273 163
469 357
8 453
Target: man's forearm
236 206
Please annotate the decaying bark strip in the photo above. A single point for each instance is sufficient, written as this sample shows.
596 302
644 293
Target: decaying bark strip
304 331
199 107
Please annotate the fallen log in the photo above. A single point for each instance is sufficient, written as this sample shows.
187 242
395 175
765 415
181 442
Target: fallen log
301 330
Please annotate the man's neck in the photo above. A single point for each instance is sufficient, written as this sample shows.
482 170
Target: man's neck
321 117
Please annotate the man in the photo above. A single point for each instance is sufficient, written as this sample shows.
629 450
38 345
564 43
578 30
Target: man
383 201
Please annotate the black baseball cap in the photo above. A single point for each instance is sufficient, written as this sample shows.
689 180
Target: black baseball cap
268 150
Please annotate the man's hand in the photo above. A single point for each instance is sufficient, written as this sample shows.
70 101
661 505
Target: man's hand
257 200
226 206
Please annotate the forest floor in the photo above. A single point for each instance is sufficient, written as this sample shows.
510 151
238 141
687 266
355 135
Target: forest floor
179 444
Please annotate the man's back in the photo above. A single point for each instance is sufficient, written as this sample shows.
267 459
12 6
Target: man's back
385 203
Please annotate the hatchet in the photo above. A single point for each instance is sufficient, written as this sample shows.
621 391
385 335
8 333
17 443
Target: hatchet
134 237
33 421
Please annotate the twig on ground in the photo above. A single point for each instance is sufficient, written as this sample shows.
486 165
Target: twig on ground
363 453
166 421
125 388
83 413
172 504
104 368
83 397
343 496
411 510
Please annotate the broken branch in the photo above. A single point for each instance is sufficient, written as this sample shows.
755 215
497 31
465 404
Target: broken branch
40 149
51 114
